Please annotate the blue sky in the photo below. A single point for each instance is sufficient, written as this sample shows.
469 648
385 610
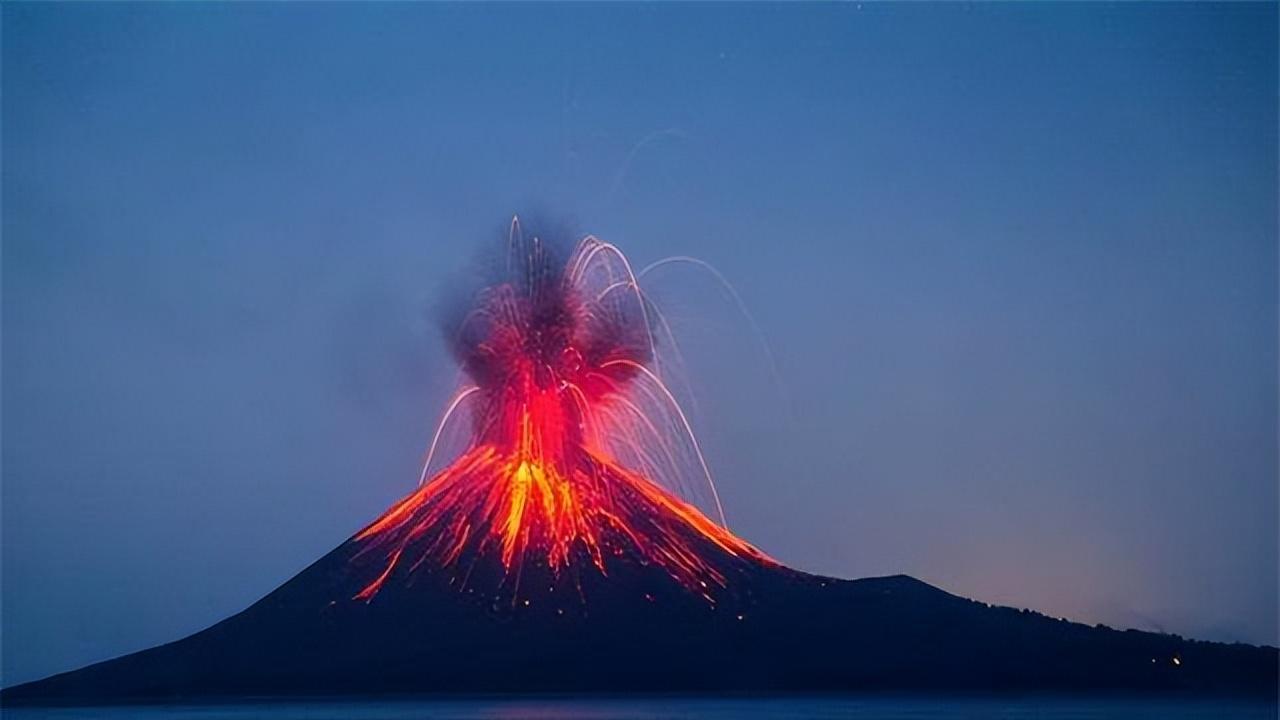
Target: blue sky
1017 265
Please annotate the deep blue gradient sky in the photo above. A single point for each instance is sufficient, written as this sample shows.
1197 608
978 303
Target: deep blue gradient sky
1017 264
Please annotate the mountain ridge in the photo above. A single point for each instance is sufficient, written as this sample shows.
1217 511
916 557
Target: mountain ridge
776 630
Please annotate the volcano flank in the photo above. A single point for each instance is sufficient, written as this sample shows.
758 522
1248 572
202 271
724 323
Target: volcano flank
576 542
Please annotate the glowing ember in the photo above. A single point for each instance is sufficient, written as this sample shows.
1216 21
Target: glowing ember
578 452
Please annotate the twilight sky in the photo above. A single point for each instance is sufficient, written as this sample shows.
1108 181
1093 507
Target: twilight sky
1017 265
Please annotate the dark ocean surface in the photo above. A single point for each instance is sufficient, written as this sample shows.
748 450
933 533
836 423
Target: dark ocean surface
902 708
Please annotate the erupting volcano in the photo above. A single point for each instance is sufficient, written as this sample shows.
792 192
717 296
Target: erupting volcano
578 453
575 541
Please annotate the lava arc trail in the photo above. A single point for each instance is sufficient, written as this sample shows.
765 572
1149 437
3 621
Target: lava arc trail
578 455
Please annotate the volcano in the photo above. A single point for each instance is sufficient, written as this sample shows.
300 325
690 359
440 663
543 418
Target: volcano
576 543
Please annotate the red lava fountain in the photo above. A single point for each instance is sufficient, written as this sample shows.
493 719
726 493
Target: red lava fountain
578 455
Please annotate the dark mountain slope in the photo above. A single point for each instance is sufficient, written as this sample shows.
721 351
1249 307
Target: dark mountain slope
636 630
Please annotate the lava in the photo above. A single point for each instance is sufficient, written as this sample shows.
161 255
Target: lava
578 455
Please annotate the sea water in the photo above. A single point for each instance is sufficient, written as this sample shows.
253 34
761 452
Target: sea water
901 708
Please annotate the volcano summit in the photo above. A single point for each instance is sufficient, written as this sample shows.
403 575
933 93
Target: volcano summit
576 542
569 423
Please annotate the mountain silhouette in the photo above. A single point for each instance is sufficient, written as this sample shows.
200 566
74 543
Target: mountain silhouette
636 628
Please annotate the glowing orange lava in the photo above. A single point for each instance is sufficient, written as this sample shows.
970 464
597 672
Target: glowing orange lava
578 452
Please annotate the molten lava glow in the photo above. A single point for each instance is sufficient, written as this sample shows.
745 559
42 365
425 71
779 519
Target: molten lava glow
578 453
